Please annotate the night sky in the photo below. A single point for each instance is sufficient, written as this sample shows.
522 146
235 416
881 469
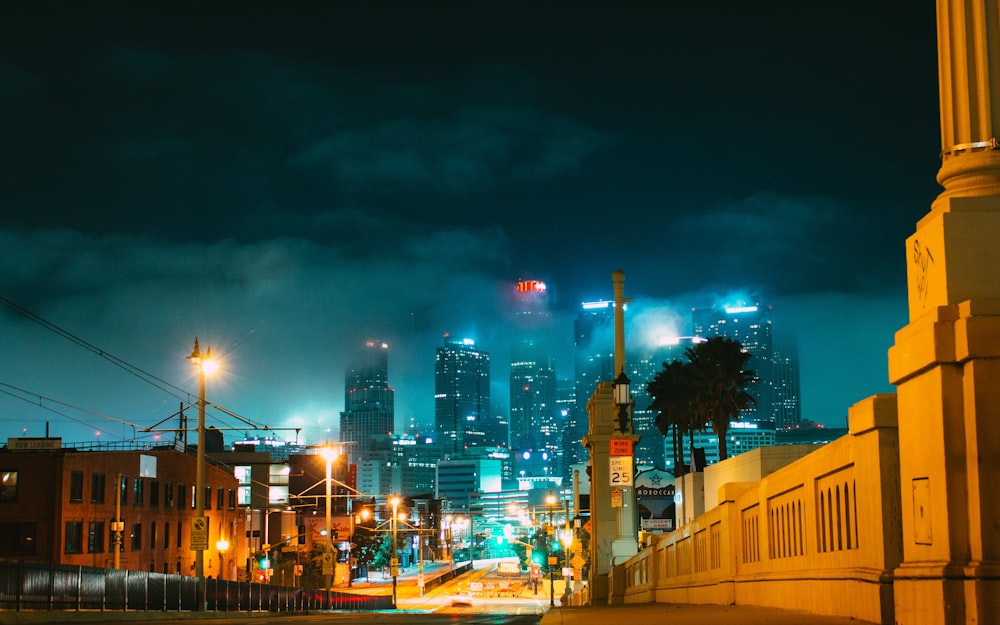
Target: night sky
286 180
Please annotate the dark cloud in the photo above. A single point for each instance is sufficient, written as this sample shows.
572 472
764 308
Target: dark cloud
285 183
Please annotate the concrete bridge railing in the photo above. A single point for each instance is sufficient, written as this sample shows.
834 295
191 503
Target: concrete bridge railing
822 534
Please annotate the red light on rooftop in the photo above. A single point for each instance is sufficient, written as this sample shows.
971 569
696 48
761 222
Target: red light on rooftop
528 286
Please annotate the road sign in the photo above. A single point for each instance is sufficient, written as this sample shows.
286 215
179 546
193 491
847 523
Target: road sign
621 470
620 446
199 533
327 563
577 561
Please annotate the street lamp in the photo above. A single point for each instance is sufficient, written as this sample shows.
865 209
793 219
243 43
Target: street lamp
222 545
393 560
206 366
623 398
551 502
329 454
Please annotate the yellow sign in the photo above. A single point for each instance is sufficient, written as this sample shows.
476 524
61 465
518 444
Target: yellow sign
199 533
577 561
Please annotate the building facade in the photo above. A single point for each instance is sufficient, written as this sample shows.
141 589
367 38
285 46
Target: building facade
61 506
369 400
461 395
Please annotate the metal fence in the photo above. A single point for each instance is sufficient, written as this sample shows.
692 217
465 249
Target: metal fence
43 586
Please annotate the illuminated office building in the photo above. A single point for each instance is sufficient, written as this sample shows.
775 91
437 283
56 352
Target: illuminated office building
368 400
461 395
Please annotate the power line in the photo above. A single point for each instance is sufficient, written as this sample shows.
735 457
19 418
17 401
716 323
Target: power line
141 374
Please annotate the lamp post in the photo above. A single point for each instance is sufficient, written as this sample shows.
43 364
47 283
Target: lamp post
623 397
205 366
329 455
393 560
551 501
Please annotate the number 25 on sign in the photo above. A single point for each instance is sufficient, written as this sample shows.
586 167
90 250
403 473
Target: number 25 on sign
621 470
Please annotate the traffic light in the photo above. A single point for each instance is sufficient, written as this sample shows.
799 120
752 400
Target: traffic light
264 564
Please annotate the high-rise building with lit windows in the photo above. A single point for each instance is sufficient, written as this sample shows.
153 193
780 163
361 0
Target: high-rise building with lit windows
594 361
369 401
461 395
751 326
534 416
787 403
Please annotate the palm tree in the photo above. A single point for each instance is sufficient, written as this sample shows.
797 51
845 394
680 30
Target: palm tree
673 395
721 379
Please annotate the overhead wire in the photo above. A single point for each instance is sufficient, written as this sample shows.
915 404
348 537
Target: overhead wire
163 385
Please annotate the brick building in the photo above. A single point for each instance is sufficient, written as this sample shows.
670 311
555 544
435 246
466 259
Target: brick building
59 505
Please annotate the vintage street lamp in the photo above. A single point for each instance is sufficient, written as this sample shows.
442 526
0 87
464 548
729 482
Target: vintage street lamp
623 397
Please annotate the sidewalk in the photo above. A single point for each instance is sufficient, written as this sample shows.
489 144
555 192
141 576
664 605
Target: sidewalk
677 614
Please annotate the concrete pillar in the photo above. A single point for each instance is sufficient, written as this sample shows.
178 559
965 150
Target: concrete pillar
946 361
613 533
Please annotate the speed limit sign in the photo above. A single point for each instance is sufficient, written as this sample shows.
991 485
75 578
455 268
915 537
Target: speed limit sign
621 470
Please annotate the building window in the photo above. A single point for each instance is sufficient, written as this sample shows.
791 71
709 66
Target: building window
180 535
97 488
168 495
123 491
18 537
208 498
95 537
76 486
232 498
244 497
137 488
243 475
154 494
74 537
277 495
181 496
137 537
194 497
220 498
278 473
166 535
8 487
152 535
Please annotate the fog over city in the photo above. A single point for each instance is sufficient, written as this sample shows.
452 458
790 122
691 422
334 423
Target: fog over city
286 183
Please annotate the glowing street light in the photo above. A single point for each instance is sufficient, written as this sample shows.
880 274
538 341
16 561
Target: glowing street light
329 454
551 501
394 560
206 366
222 545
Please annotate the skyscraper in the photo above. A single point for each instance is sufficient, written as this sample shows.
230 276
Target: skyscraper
594 361
751 326
461 395
534 417
368 400
787 403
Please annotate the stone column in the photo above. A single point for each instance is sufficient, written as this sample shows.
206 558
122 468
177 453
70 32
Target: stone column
613 536
946 361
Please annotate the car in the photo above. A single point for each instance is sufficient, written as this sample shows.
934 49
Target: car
461 601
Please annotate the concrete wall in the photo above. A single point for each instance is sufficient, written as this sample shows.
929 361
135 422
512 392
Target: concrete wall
822 534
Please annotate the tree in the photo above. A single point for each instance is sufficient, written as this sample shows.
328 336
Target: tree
673 394
721 378
707 389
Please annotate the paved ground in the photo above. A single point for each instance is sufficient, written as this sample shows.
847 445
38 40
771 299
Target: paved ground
686 615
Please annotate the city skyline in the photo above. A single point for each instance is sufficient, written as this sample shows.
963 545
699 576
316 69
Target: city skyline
283 184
